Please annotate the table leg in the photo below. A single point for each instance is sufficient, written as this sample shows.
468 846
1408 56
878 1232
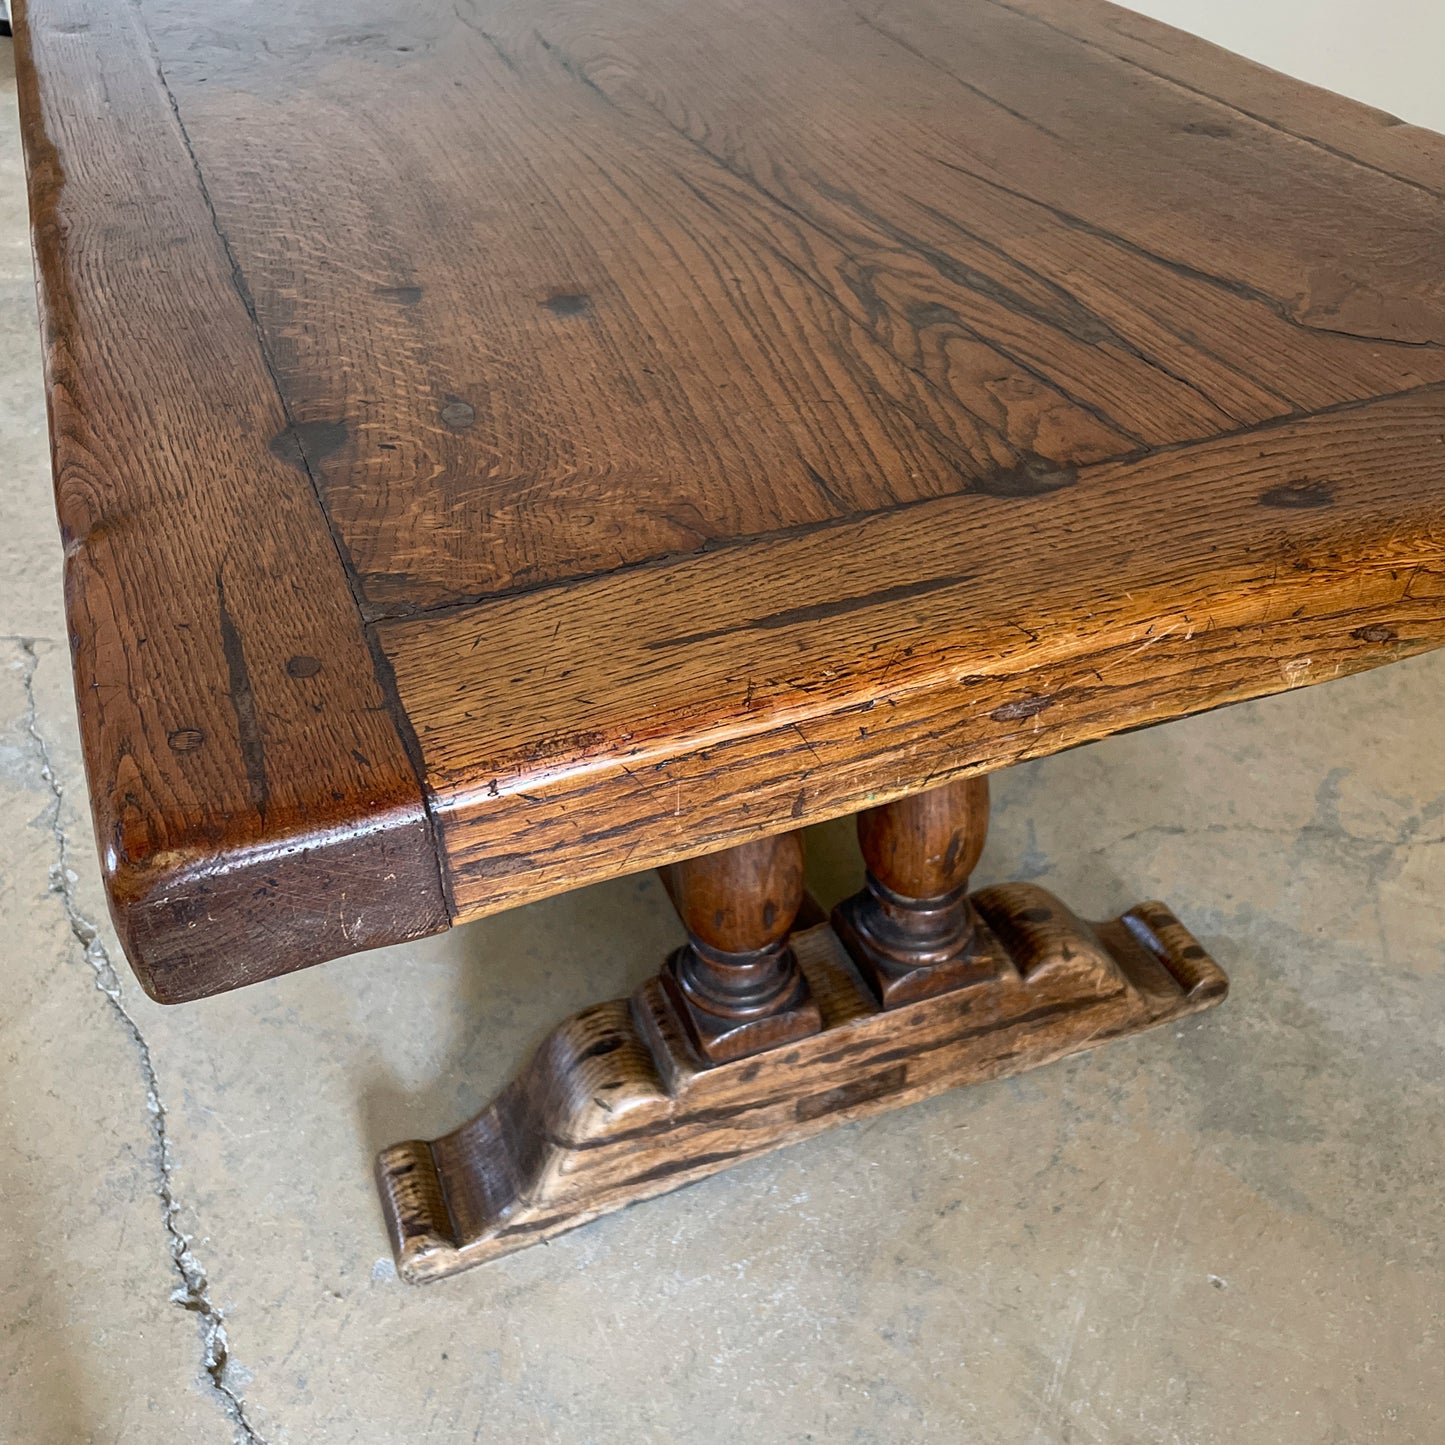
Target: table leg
736 984
753 1035
911 931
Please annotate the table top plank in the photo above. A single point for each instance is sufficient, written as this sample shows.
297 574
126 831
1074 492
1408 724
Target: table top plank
1346 127
505 443
254 805
709 700
654 281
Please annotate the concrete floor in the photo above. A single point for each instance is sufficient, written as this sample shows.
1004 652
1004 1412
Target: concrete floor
1223 1232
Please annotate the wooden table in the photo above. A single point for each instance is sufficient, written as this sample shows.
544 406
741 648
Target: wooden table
500 446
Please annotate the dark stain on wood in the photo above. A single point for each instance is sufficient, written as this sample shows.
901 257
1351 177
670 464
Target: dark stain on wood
602 1047
847 1096
1021 708
1214 129
308 443
1028 479
1298 495
834 500
458 414
568 303
818 611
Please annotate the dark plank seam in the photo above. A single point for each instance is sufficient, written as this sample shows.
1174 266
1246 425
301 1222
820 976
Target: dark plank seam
953 75
1228 284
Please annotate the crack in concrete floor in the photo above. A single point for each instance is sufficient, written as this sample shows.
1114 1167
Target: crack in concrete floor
193 1293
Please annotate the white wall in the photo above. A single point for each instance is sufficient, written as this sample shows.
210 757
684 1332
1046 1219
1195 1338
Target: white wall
1388 53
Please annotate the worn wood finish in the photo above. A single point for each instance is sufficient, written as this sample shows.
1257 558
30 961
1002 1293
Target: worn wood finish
602 728
254 805
715 418
615 1106
703 272
910 931
735 984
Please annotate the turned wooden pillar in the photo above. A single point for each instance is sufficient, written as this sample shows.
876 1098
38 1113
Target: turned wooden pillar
736 984
911 930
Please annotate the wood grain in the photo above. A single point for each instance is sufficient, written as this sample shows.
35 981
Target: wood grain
254 805
1320 118
615 1107
926 845
690 274
579 731
720 417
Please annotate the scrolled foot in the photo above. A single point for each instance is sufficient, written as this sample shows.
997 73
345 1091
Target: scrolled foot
617 1105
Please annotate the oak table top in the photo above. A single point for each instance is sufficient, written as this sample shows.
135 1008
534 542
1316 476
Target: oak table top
503 445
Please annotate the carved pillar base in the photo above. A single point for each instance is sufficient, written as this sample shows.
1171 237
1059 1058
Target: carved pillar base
911 931
735 984
620 1103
